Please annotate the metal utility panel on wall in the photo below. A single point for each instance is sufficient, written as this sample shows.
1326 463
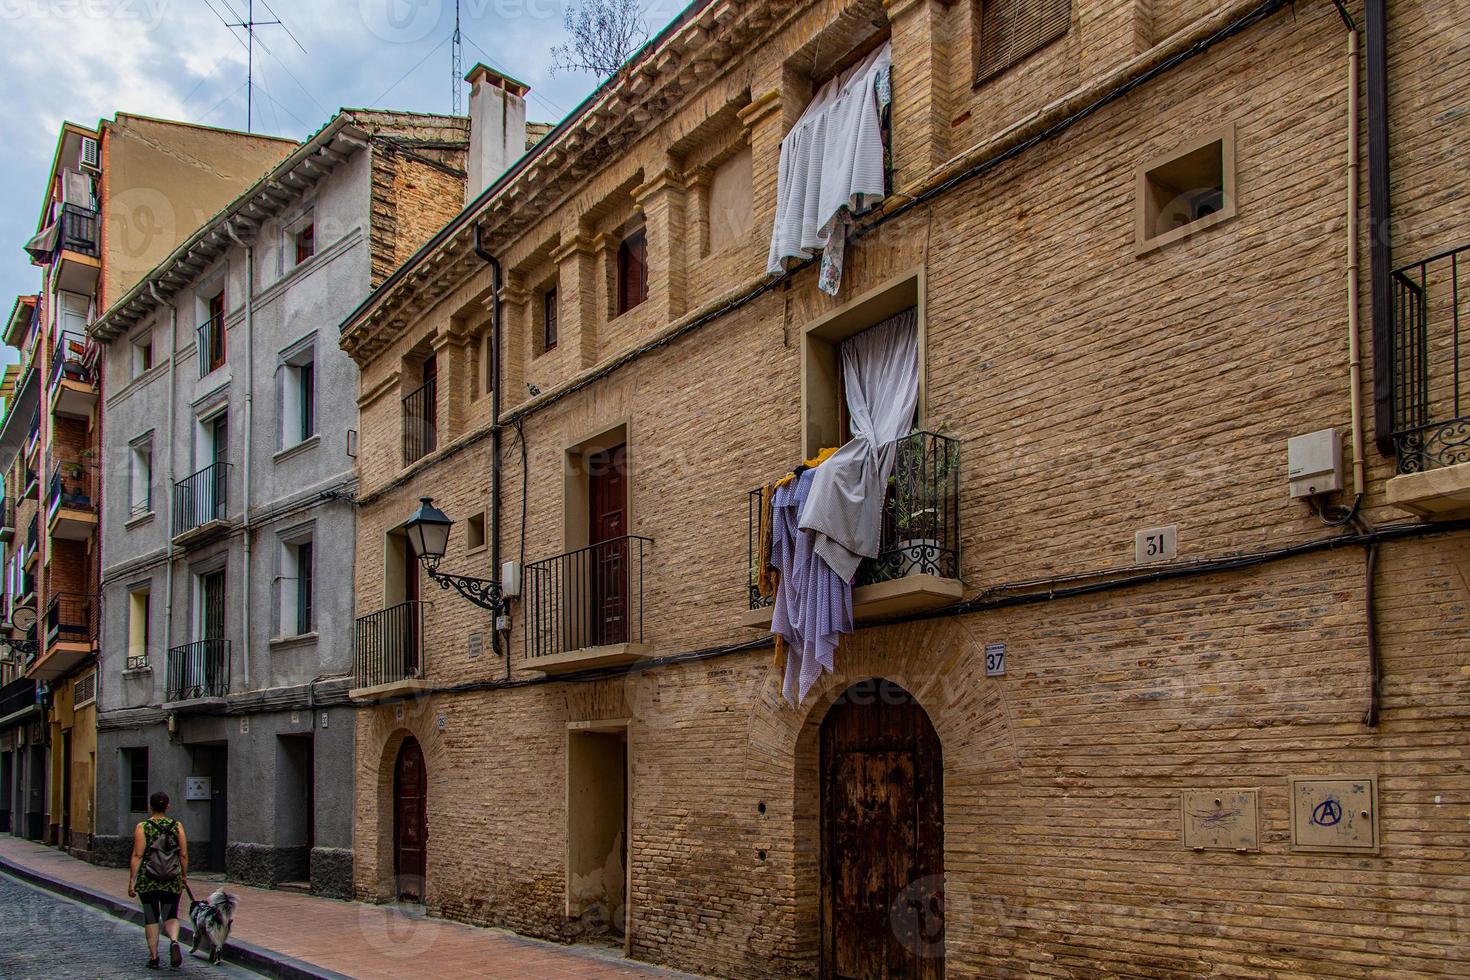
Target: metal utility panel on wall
1314 463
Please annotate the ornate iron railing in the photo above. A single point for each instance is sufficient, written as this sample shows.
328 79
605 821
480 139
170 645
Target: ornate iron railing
78 230
920 532
201 497
388 645
590 597
71 617
1430 396
420 421
198 670
70 359
73 485
212 343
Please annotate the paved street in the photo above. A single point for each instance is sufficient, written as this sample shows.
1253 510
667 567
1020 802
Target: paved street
49 936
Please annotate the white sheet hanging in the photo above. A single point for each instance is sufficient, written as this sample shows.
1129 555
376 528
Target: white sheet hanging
831 160
880 368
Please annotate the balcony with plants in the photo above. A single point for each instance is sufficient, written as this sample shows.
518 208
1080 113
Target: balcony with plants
72 500
74 377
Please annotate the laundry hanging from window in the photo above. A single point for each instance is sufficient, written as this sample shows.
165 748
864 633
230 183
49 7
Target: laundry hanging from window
832 167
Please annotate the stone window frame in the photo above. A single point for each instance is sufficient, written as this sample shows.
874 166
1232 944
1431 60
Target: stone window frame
1044 28
1146 187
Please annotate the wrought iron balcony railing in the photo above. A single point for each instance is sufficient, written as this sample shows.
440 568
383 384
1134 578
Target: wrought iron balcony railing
78 232
1430 396
420 421
212 343
71 617
921 518
388 645
7 519
71 359
591 597
201 497
73 485
33 535
198 670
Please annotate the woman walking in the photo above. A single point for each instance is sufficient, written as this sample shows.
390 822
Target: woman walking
159 868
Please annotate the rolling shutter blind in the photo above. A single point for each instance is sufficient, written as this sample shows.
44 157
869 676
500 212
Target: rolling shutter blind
1012 29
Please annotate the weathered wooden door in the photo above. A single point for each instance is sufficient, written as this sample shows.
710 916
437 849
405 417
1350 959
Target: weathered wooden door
607 534
410 821
882 837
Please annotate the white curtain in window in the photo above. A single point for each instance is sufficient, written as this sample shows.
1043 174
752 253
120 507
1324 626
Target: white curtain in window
880 368
831 160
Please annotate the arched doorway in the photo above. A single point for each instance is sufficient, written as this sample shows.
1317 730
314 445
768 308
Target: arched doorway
882 845
410 821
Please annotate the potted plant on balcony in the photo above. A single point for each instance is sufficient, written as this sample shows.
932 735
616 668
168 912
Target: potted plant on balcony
918 502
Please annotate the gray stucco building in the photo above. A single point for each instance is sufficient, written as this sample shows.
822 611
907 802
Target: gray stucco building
229 438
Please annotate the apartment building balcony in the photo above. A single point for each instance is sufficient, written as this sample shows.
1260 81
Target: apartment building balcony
7 520
198 673
584 609
70 634
33 436
72 500
200 504
33 541
390 658
918 562
76 256
420 421
74 376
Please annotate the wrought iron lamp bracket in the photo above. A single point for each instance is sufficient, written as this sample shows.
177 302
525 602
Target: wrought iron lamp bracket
483 592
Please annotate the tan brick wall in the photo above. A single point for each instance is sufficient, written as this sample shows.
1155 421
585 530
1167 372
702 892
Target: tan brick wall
1094 394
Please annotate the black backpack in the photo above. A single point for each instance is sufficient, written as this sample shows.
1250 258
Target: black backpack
161 858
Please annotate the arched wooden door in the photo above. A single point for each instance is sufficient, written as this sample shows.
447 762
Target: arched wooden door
882 803
410 820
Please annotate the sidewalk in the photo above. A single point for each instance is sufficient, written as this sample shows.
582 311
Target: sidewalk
295 935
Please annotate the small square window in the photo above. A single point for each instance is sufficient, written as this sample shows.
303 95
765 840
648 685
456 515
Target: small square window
305 243
1008 31
1186 190
474 532
298 242
142 353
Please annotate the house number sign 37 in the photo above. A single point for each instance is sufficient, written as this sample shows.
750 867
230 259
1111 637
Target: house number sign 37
995 659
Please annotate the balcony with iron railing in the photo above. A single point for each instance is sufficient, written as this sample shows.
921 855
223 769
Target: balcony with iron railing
917 566
198 671
33 539
70 634
72 499
420 421
76 255
201 503
584 609
212 343
74 375
389 654
7 520
1430 398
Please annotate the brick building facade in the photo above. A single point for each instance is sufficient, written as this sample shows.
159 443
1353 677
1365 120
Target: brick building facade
1112 353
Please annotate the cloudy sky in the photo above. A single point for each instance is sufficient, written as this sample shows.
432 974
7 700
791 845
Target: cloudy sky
83 60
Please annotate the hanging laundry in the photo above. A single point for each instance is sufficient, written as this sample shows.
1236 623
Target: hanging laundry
813 603
832 167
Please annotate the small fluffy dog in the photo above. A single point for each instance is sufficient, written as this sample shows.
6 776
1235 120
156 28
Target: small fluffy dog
212 918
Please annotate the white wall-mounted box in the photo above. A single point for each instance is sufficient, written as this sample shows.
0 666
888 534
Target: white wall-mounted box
1314 463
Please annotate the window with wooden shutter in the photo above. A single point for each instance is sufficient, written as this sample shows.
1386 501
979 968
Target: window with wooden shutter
548 319
1006 31
632 271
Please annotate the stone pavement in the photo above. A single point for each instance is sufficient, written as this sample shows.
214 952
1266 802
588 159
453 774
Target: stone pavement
47 936
302 935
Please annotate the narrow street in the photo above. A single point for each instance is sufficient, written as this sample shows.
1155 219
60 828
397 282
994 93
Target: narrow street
50 936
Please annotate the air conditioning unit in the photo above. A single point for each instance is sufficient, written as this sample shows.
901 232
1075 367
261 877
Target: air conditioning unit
90 157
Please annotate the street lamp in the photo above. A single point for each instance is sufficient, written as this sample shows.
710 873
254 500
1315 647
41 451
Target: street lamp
428 535
23 619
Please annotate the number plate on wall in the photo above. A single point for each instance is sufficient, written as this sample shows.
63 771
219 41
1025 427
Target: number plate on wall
1156 544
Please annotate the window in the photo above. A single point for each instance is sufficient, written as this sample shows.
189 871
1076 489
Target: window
421 414
1008 30
212 336
296 594
305 242
474 532
142 352
296 397
136 761
140 607
1186 190
548 319
84 691
632 271
140 477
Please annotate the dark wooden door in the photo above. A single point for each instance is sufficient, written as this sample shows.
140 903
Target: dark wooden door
410 820
219 804
65 790
607 475
882 838
408 625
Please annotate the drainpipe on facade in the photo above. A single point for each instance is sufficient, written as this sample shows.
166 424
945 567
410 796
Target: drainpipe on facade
168 477
495 434
1380 237
249 441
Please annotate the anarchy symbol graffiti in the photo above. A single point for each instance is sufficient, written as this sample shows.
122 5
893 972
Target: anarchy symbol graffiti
1328 813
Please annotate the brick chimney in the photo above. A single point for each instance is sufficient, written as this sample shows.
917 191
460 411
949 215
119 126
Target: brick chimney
497 127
